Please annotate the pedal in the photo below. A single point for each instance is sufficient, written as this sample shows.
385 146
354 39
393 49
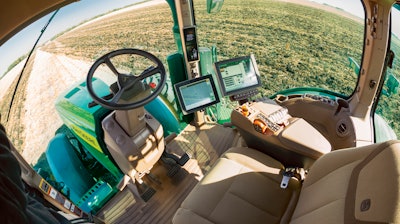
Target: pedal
147 194
178 160
183 160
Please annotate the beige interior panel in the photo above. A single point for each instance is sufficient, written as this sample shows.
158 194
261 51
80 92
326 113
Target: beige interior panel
335 125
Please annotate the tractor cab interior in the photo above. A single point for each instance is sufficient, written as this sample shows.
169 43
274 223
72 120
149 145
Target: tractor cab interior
248 131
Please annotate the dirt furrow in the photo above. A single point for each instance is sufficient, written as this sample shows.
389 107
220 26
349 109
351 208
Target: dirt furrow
51 76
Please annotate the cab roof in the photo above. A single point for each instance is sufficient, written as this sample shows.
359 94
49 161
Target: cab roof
17 14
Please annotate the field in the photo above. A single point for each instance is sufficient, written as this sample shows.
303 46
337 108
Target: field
15 125
149 29
294 46
389 106
314 50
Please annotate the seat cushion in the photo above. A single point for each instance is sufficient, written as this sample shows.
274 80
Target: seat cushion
357 185
243 187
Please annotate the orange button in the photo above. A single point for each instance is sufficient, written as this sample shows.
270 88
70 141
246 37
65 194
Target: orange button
245 110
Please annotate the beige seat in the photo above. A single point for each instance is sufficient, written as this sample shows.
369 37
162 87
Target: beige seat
346 186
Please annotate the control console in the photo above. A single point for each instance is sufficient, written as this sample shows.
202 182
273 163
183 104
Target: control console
266 121
268 127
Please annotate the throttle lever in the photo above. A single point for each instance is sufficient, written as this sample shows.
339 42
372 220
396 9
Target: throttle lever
265 126
260 126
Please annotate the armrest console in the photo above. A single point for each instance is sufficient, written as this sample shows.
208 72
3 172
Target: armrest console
268 127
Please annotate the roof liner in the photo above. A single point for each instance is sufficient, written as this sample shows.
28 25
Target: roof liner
17 14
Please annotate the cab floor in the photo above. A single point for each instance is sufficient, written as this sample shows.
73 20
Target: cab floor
167 185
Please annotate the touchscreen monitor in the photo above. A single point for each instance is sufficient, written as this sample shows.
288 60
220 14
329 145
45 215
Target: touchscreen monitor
196 94
237 75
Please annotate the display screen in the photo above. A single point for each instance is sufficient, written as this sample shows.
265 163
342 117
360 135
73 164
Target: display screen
196 94
237 75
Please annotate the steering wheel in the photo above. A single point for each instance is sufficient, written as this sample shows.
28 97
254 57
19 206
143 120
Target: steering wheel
126 81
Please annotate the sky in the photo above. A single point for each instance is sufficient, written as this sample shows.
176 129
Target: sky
354 7
78 12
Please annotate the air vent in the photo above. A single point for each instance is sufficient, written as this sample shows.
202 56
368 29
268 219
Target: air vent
342 129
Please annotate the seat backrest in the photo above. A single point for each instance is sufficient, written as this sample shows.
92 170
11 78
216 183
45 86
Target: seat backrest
353 185
134 139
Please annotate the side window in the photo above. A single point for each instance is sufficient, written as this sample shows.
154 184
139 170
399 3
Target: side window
387 113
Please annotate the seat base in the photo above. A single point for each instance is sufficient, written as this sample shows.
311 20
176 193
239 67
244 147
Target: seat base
240 189
357 185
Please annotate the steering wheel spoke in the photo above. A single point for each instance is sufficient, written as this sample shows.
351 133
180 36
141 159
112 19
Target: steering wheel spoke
111 66
150 71
127 82
117 96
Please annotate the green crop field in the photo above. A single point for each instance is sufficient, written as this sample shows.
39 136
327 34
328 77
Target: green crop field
290 43
149 29
389 106
294 46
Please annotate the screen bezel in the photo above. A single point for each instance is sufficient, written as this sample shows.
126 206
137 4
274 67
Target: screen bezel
178 92
224 92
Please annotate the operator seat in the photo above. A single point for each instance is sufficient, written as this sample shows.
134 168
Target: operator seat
357 185
135 144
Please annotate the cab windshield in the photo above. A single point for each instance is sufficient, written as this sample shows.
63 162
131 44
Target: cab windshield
298 45
316 44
